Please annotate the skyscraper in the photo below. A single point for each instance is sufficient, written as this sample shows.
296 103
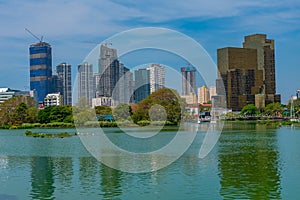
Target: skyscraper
188 80
248 73
96 84
142 84
40 69
157 77
85 82
63 71
107 57
124 87
115 80
265 59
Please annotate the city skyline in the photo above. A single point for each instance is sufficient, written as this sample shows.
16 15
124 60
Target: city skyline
213 27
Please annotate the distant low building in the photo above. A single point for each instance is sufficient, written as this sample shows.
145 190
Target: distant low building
102 101
7 93
54 99
190 99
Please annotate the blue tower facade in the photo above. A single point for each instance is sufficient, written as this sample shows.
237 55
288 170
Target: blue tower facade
41 69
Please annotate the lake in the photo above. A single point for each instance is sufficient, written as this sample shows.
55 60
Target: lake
249 161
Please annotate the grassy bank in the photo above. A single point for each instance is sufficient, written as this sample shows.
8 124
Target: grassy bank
89 124
49 135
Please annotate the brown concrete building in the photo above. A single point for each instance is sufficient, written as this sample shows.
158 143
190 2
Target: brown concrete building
247 72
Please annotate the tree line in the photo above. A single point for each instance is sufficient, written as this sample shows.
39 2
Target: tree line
162 105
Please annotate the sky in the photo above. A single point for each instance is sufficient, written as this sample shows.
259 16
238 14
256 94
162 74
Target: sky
73 28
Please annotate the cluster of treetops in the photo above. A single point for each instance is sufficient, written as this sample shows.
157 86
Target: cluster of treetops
163 105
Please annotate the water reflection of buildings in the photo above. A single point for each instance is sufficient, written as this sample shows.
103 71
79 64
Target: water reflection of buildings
248 167
108 183
42 180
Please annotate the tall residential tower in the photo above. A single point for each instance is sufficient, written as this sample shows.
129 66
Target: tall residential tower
85 82
157 77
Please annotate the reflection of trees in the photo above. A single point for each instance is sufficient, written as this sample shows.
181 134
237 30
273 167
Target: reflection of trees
64 172
110 182
42 178
87 173
248 166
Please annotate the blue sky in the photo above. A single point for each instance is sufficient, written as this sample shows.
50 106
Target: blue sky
68 25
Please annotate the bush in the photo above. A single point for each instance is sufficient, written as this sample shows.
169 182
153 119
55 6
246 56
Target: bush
143 123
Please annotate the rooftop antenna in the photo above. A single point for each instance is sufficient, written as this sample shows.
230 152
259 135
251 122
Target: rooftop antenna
33 35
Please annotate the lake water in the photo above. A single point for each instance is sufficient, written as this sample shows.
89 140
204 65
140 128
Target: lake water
249 162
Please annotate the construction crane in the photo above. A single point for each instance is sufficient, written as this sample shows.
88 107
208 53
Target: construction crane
33 35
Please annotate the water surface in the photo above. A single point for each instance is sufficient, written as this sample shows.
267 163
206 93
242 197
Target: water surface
249 162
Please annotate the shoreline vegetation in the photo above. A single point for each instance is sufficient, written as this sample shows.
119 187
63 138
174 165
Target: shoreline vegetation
161 108
115 124
49 135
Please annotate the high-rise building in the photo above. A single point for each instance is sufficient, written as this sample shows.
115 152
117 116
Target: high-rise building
109 71
247 72
188 80
55 83
298 94
142 84
96 83
85 82
203 95
212 92
157 77
40 69
125 85
107 57
64 82
114 79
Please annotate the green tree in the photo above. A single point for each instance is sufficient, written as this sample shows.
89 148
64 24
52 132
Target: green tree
168 99
32 114
14 111
122 112
55 114
82 115
249 109
20 114
103 110
273 109
139 115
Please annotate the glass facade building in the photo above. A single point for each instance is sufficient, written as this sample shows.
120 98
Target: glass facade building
64 82
142 84
41 69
